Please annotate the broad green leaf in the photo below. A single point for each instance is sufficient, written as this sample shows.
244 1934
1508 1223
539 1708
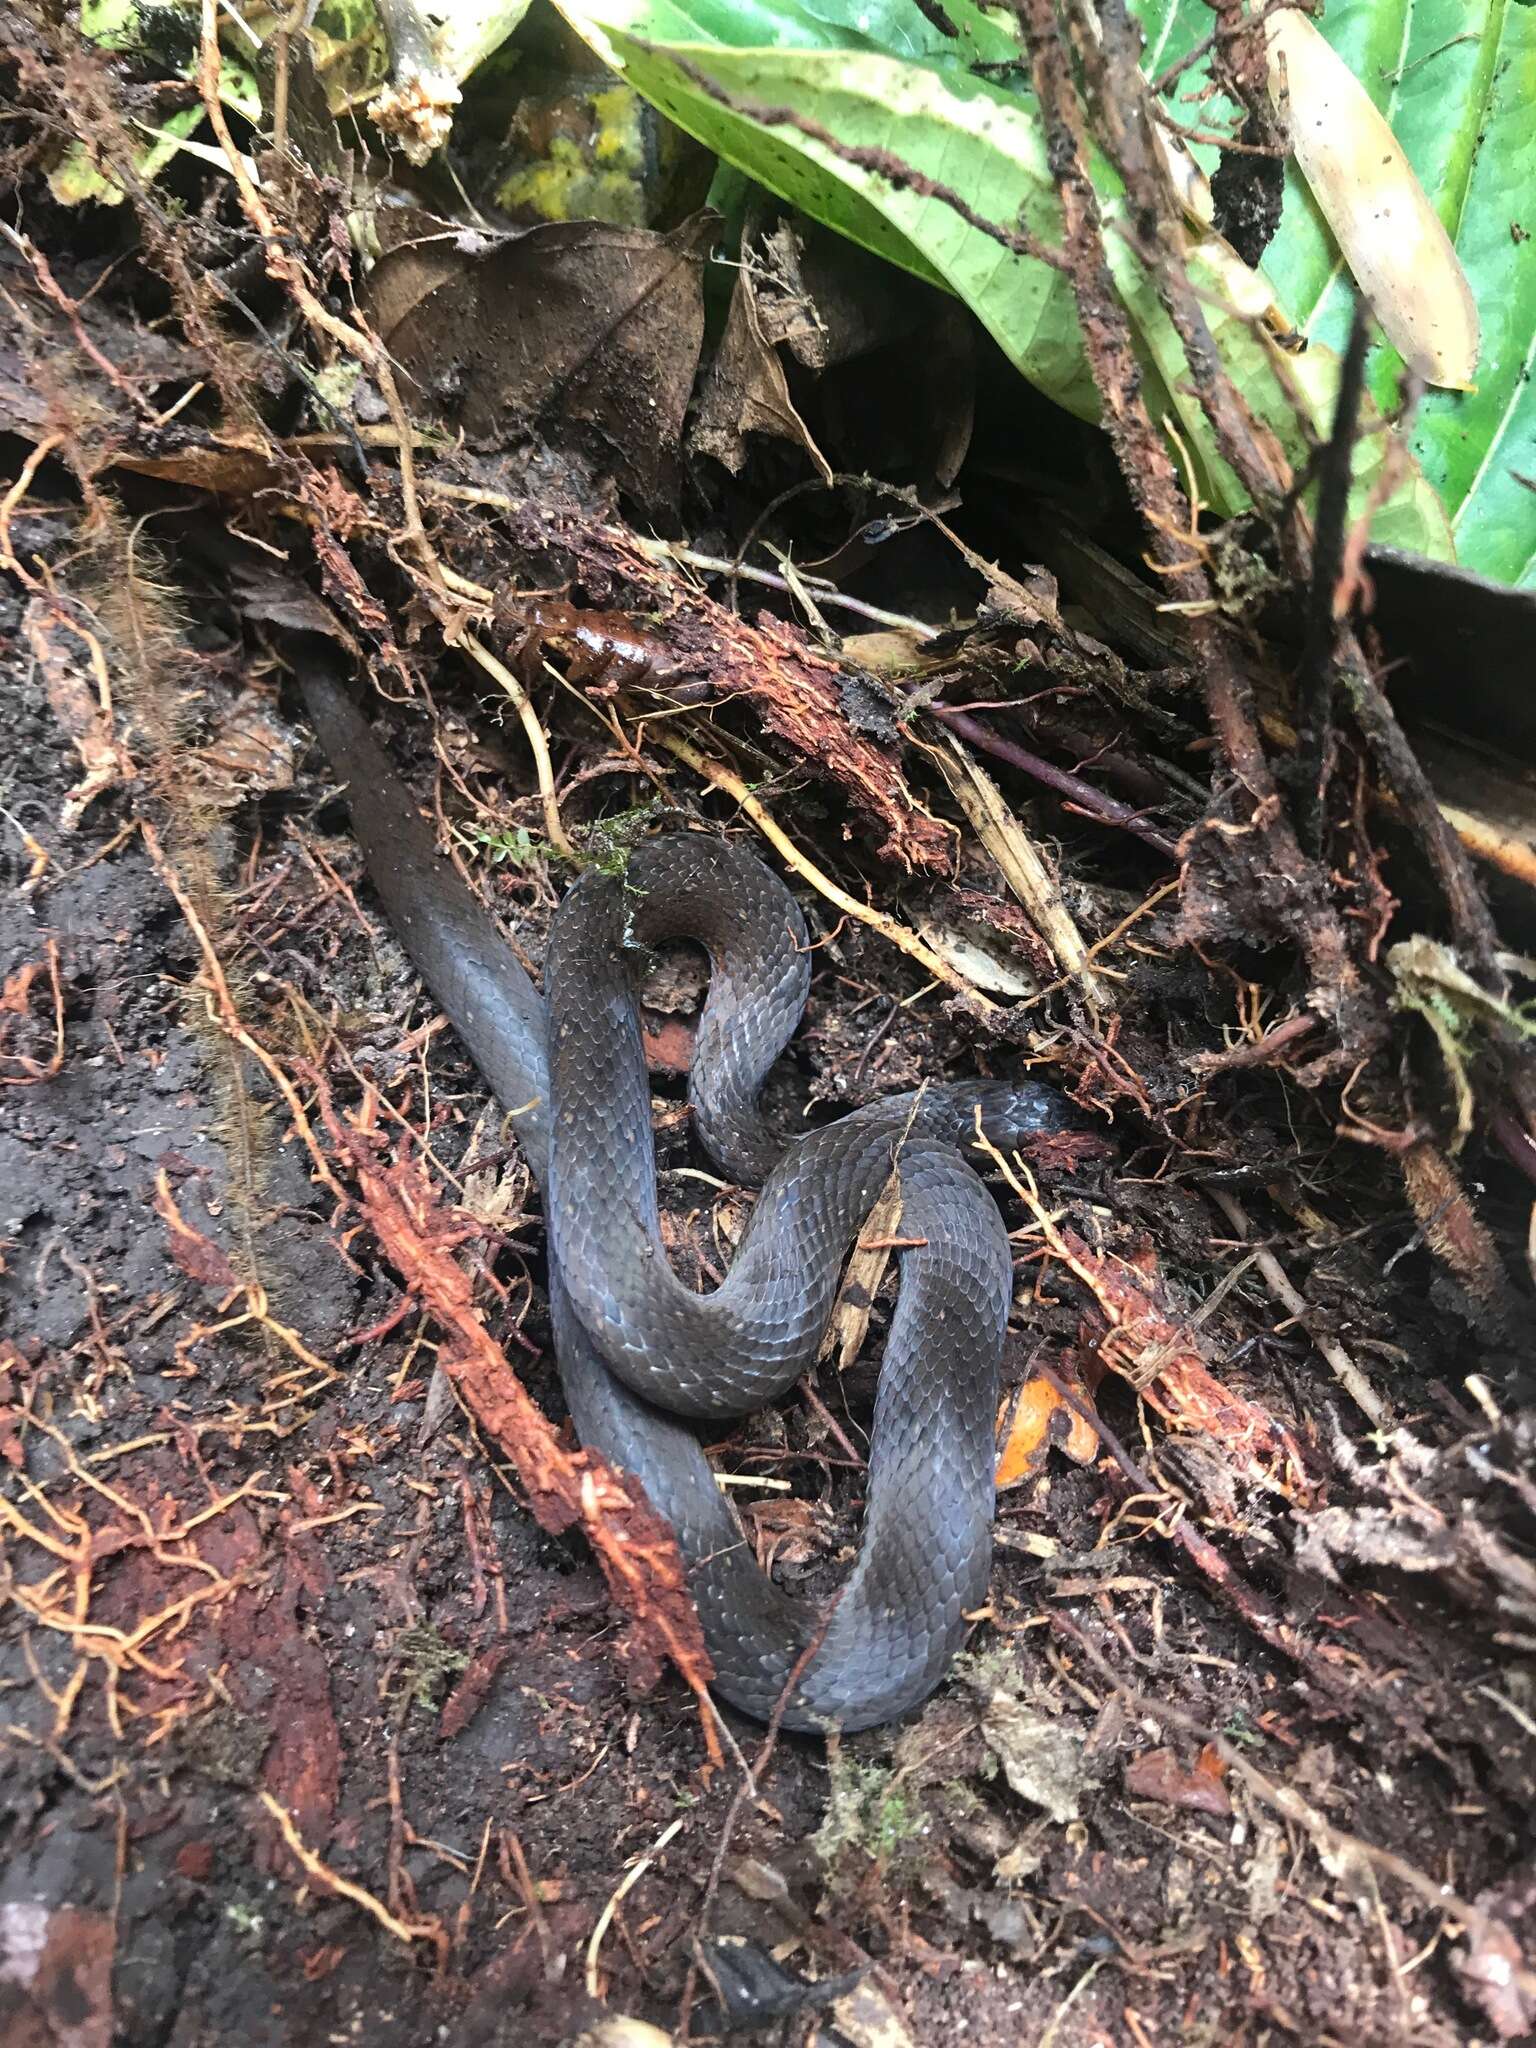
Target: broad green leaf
955 129
981 137
1456 80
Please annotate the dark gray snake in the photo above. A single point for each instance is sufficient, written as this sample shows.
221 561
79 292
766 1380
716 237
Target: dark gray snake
632 1340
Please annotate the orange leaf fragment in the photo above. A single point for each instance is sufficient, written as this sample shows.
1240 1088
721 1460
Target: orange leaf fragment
1029 1433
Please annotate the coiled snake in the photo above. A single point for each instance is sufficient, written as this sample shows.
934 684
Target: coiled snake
637 1348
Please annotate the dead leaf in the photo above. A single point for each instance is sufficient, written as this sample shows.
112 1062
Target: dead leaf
1158 1774
668 1043
1032 1427
584 330
228 465
251 752
615 2031
788 1535
979 960
264 591
891 651
1041 1759
868 2019
747 391
1382 219
76 703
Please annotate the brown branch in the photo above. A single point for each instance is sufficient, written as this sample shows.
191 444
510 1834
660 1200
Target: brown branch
1315 682
636 1550
1107 810
1112 74
1295 891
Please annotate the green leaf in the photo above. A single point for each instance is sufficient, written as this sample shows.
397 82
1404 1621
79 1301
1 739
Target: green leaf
960 130
1456 80
715 67
128 25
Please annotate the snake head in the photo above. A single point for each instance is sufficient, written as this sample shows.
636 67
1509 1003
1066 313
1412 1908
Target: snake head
1008 1112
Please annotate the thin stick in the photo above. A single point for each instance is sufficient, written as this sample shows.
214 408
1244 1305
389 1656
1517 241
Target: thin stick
626 1884
1345 1370
1315 684
538 744
1021 863
897 934
1107 810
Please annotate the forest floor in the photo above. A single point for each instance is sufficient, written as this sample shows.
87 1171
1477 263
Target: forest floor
319 1720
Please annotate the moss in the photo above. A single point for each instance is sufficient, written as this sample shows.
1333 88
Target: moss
868 1810
426 1663
611 841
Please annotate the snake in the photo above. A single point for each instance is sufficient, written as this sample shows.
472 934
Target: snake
643 1358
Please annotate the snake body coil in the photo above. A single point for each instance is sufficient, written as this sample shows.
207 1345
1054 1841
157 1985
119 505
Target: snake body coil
636 1347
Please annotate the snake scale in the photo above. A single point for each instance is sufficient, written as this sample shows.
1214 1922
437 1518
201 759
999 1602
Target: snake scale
638 1350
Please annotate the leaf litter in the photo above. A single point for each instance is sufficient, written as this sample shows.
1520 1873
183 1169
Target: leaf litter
339 1689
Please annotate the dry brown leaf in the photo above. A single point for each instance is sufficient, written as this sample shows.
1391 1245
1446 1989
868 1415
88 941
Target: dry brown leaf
747 391
1158 1774
1042 1759
588 328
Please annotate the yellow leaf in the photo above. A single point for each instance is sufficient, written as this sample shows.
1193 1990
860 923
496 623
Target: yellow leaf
1389 234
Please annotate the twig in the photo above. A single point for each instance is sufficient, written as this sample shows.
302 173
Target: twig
538 744
1102 945
1345 1370
1476 934
55 292
1113 76
1105 809
1022 865
289 269
1314 683
626 1884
